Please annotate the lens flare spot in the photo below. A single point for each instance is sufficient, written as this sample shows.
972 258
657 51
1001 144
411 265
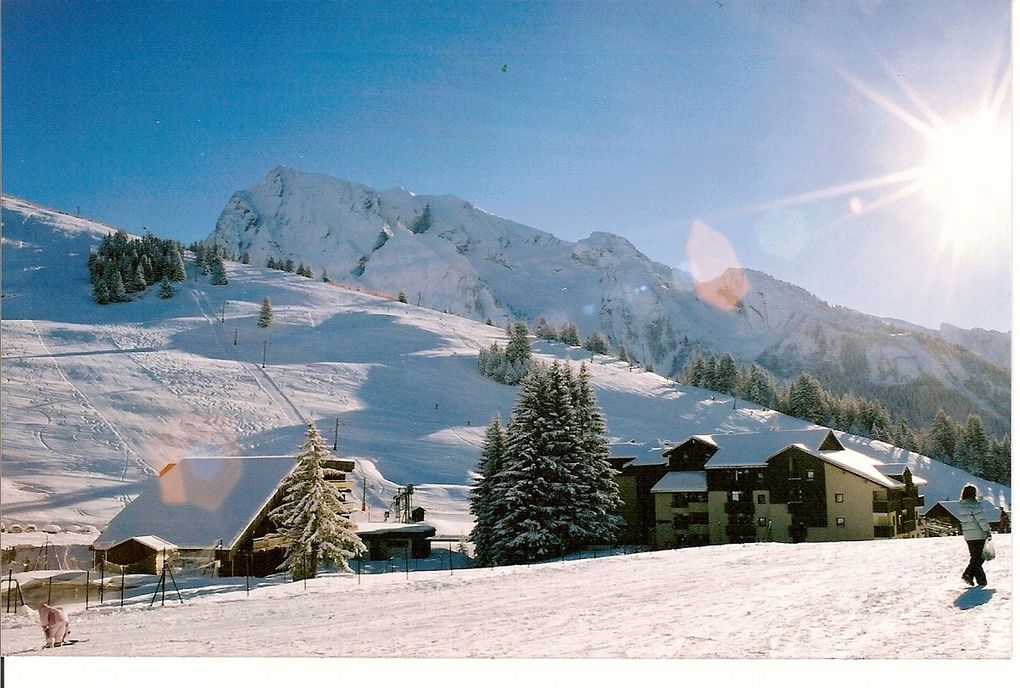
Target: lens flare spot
718 278
856 206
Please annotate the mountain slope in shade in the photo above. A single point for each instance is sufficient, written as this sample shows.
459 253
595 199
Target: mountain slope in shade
469 262
97 399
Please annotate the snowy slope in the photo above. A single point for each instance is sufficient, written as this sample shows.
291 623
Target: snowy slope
472 263
899 599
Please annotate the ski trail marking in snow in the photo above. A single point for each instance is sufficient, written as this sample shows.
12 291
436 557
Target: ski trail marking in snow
273 390
128 450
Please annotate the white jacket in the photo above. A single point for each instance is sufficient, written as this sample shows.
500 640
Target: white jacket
973 522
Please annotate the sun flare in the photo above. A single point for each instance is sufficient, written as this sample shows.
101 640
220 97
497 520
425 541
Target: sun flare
966 173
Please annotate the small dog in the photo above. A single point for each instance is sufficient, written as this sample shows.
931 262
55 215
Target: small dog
56 625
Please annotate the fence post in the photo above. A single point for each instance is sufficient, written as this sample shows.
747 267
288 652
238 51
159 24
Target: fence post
407 548
10 577
102 576
122 586
87 574
449 550
49 590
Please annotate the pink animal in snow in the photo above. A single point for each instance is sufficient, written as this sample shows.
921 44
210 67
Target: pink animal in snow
56 624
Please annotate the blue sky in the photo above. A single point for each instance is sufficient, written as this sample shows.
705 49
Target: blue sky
642 119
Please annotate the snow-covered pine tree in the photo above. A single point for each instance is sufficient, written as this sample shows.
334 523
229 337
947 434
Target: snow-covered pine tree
101 293
538 494
137 282
218 270
115 284
598 495
166 290
312 518
596 344
176 261
265 313
485 499
569 335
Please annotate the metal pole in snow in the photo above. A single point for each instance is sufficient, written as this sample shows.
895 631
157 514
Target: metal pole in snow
10 578
336 434
122 586
49 590
102 576
265 345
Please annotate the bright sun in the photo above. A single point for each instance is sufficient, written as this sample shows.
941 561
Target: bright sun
966 173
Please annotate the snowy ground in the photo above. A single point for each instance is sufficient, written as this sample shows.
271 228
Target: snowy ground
900 600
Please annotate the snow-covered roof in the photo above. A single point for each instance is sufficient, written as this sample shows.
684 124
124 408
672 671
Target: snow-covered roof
200 502
953 507
859 464
150 541
754 449
682 481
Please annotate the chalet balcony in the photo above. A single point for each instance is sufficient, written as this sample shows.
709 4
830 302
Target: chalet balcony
908 526
919 501
343 485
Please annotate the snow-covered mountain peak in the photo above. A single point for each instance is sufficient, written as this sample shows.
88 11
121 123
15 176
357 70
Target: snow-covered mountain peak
463 260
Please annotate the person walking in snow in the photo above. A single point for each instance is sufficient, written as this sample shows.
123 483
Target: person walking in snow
975 529
56 624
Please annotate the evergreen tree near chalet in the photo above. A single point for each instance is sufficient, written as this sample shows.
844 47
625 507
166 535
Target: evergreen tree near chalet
311 517
265 313
597 492
550 491
485 498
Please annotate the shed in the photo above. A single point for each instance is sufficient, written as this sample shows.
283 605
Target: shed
380 538
141 554
417 514
948 513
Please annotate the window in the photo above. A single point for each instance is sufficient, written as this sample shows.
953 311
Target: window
761 499
810 474
762 522
736 496
840 521
839 497
700 518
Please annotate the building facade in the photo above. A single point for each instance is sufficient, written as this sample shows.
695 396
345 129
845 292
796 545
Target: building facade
788 486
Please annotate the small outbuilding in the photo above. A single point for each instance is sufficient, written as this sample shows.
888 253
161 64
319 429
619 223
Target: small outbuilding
947 513
384 539
141 554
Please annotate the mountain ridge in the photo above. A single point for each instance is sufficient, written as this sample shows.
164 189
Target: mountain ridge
473 263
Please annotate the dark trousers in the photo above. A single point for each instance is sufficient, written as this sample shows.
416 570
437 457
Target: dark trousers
975 568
